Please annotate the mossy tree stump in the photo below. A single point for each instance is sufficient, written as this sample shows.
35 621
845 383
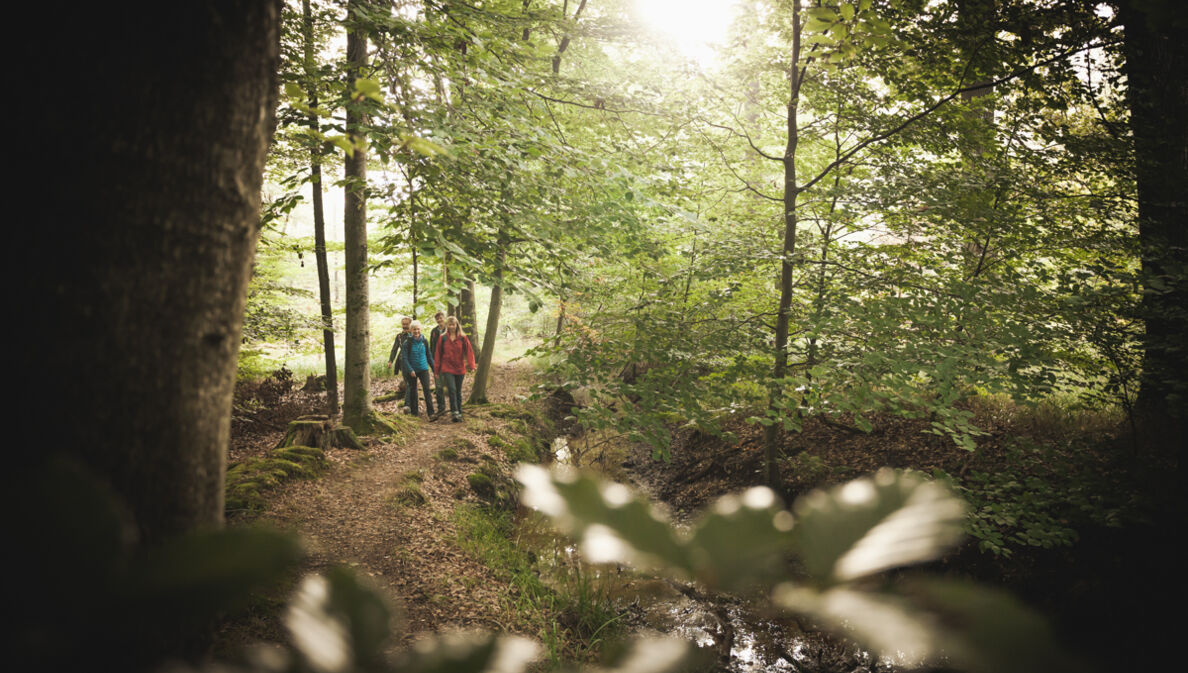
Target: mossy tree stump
318 432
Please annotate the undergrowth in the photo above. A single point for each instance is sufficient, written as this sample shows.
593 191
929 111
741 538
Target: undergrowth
563 606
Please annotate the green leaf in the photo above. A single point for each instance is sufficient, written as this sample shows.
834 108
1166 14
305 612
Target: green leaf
816 26
335 623
344 143
847 12
659 655
613 524
884 623
368 88
293 91
821 14
933 621
423 147
743 540
470 653
875 523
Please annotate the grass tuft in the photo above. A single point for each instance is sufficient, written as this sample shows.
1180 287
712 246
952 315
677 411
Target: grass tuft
564 606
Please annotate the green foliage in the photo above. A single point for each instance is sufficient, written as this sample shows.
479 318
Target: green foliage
807 468
482 484
522 450
408 490
842 538
561 606
1049 492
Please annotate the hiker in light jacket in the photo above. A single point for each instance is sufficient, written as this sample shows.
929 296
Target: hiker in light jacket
455 357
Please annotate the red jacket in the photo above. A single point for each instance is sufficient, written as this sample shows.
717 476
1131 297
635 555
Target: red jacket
453 357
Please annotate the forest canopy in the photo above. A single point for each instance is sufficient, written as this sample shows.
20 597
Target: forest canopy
837 210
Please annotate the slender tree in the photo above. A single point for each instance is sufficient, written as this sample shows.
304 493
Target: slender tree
315 170
787 256
357 410
478 394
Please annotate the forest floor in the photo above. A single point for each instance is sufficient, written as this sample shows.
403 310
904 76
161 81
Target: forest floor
359 512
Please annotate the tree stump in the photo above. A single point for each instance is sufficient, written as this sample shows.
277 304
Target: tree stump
317 431
344 438
308 431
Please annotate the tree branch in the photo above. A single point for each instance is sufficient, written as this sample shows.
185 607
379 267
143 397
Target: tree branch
938 104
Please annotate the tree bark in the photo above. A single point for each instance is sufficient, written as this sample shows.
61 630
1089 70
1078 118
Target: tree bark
356 409
772 432
147 193
468 314
315 161
478 393
564 43
1157 72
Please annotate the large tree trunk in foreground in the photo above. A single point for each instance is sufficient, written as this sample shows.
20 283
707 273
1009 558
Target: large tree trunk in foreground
356 407
1157 71
146 177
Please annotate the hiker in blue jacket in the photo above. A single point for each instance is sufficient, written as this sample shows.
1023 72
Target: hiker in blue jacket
417 359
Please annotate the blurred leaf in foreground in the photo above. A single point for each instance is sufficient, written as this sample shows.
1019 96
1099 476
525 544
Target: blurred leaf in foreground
875 523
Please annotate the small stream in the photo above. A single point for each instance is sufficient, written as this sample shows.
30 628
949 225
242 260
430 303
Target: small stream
744 636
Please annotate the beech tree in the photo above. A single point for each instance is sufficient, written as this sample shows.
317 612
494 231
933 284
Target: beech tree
356 408
315 180
1157 69
161 155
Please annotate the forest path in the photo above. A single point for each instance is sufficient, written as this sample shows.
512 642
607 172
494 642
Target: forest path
353 514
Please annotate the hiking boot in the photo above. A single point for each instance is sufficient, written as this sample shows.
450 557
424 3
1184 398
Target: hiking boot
457 418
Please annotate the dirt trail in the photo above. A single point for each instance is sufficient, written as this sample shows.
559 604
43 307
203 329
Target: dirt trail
351 516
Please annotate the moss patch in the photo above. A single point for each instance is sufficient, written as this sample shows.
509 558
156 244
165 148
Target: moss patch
481 484
408 491
247 482
522 451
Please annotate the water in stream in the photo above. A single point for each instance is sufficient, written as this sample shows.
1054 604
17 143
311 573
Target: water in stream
744 636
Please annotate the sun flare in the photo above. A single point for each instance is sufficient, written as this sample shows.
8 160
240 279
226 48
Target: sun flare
696 26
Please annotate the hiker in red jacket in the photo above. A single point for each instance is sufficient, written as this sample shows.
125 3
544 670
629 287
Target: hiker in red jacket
453 359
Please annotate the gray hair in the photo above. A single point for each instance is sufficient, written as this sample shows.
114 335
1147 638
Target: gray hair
415 323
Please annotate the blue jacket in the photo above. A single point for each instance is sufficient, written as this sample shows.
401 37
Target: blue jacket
415 355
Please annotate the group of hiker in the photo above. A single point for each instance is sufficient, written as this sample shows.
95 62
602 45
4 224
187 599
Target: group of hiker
447 353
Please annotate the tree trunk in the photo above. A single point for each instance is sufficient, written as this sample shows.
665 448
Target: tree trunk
315 161
1157 72
308 432
478 394
356 409
771 435
146 214
560 322
468 314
